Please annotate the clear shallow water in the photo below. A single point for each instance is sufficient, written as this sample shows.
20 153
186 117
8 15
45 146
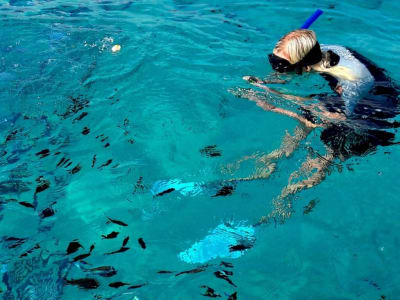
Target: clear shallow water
157 102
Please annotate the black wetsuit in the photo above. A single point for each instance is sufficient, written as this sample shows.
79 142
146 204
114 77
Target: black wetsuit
364 130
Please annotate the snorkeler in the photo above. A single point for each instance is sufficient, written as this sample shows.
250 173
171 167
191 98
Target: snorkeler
352 117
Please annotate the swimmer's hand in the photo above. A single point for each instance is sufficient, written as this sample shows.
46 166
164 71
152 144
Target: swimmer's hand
253 79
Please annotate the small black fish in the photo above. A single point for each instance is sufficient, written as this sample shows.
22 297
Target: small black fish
37 246
210 151
83 256
73 247
48 212
26 204
239 247
43 185
226 264
170 190
233 296
210 292
84 283
122 249
76 169
70 163
224 191
117 284
164 272
104 271
15 242
93 160
309 207
106 163
61 162
142 243
85 131
224 276
139 185
116 222
81 116
43 153
193 271
107 145
11 136
111 235
57 153
125 241
136 286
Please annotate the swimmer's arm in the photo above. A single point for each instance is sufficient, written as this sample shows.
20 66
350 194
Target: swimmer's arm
269 107
260 84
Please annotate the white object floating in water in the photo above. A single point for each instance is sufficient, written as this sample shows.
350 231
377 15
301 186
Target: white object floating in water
116 48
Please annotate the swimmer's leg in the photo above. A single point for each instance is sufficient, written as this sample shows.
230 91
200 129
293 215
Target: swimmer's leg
316 169
266 164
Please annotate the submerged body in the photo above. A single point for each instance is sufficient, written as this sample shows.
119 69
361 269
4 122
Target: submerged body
355 117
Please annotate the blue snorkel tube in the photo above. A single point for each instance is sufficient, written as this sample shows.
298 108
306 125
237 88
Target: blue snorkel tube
312 19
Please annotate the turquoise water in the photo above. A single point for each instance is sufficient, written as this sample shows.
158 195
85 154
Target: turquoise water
151 108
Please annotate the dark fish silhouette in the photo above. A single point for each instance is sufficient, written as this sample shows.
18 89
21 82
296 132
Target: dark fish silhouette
26 204
73 247
224 276
239 247
106 145
210 151
170 190
93 160
83 256
226 264
43 153
15 242
84 283
224 191
85 130
139 185
111 235
116 222
164 272
106 163
57 153
136 286
11 135
193 271
76 169
68 164
62 162
125 241
37 246
104 271
210 292
309 207
122 249
117 284
81 116
48 212
142 243
233 296
43 185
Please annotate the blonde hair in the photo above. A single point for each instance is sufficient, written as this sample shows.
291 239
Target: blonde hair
297 43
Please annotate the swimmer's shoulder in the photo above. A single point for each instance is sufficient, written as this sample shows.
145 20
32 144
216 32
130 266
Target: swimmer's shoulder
349 63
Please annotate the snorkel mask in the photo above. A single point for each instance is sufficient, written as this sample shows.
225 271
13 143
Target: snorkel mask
314 56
